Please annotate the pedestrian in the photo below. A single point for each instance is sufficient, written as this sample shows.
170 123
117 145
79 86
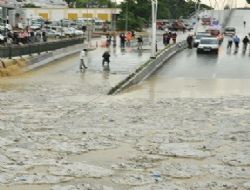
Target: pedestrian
140 42
244 23
245 43
168 38
44 36
106 57
190 41
165 36
174 37
128 38
84 28
236 41
82 55
9 41
133 34
108 40
184 30
122 40
230 42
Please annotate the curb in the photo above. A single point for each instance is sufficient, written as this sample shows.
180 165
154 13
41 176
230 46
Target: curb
44 59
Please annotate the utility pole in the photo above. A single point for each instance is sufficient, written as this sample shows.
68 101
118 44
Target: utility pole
126 19
154 18
197 14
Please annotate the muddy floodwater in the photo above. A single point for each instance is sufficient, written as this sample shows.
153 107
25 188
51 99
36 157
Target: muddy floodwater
59 131
175 131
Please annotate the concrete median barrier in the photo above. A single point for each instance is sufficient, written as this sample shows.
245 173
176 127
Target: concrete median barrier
148 68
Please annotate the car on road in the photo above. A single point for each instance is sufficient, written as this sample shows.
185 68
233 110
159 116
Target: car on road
2 39
177 25
230 31
199 36
54 34
208 45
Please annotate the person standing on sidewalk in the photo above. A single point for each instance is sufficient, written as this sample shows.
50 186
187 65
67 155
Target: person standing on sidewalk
245 43
230 43
82 64
190 41
174 37
140 42
122 40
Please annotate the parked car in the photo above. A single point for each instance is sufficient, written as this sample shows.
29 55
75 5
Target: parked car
2 39
35 26
69 32
208 45
199 36
230 31
75 31
54 34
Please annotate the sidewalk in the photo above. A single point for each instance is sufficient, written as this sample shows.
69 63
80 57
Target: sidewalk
123 60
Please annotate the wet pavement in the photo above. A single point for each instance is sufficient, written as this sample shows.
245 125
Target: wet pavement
59 131
192 74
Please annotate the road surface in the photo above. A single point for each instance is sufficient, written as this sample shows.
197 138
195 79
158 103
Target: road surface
189 73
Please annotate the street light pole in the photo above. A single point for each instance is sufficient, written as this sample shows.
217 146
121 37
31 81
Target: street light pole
197 7
154 18
126 19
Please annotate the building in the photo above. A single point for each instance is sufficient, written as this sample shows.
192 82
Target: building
46 3
56 14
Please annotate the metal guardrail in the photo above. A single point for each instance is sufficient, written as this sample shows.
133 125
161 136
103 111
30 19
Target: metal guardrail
29 49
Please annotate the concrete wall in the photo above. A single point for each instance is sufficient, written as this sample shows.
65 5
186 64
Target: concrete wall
56 14
18 65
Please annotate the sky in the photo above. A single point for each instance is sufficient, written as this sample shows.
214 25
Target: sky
240 3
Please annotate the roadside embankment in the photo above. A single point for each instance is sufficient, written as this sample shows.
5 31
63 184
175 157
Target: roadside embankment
18 65
10 67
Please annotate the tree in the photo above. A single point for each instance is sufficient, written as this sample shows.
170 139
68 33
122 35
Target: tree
71 3
94 3
138 12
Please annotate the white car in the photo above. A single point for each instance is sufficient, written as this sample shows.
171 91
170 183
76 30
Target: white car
230 31
55 34
35 27
68 32
208 45
2 39
198 37
76 32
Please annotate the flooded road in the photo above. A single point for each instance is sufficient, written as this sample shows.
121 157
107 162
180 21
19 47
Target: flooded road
191 74
59 131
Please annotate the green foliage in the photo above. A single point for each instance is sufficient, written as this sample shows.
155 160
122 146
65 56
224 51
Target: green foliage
71 3
30 5
93 3
138 12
